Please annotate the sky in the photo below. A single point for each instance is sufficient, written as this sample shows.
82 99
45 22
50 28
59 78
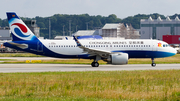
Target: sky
121 8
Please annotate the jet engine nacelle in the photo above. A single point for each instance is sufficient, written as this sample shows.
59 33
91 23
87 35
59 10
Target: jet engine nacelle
119 58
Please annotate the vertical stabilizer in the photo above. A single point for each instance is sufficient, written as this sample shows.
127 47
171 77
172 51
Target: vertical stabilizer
18 29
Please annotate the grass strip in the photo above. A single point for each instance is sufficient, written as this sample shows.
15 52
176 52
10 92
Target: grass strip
7 60
169 60
92 85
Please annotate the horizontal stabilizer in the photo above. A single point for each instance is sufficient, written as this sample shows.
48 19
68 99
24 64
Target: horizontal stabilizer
22 46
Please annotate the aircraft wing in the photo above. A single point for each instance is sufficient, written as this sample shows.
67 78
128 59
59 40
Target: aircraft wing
23 46
92 51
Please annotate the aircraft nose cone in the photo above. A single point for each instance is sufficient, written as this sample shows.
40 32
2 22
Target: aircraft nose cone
174 51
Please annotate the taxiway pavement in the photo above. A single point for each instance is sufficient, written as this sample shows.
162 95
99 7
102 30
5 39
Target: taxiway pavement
10 68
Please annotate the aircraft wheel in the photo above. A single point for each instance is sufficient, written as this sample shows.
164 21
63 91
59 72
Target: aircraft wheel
92 64
95 64
153 64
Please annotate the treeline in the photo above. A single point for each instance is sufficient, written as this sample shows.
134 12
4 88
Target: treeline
80 22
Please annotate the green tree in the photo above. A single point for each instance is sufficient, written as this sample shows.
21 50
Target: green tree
0 22
60 20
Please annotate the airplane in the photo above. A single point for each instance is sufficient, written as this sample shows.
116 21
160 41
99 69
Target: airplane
116 52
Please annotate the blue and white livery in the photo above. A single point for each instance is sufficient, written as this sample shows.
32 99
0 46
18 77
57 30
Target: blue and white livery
112 51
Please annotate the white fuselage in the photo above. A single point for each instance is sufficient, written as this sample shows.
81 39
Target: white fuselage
69 47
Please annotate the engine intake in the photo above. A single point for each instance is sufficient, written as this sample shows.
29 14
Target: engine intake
118 58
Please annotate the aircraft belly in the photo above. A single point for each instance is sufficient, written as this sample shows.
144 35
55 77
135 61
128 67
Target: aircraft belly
67 51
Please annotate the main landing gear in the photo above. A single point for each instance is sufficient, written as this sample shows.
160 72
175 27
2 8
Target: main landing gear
95 64
153 63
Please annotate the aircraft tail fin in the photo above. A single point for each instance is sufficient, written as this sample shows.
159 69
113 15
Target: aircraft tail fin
18 29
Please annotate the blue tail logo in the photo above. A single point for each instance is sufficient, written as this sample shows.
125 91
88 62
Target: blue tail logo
19 30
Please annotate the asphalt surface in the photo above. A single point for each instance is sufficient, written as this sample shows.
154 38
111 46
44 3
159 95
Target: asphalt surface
10 68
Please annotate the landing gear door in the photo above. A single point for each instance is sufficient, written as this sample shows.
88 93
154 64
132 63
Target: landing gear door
39 47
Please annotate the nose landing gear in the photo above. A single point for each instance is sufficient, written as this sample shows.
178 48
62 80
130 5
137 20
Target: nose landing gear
153 63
